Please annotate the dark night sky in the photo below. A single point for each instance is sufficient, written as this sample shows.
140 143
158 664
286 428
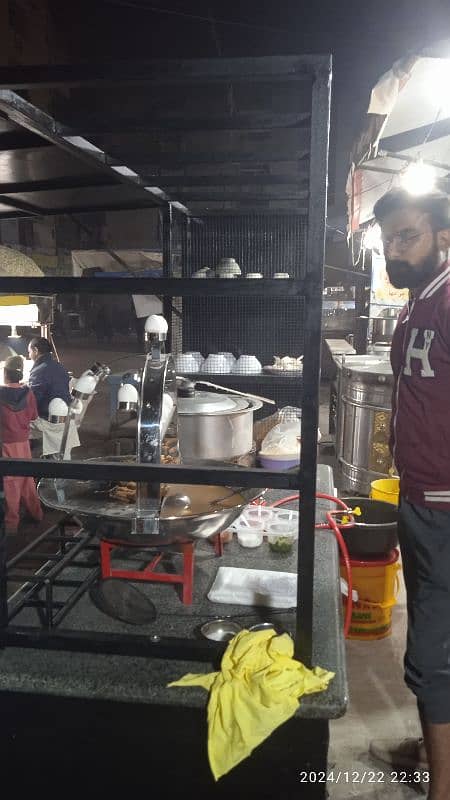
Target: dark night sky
364 38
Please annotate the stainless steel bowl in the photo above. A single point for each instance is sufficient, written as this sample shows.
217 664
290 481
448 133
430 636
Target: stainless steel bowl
220 630
113 520
262 626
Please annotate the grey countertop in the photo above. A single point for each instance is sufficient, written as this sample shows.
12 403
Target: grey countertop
144 680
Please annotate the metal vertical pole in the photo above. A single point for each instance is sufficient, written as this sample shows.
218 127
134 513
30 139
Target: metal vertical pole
167 253
187 254
3 569
315 254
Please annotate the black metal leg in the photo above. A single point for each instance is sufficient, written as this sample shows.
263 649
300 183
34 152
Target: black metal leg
3 569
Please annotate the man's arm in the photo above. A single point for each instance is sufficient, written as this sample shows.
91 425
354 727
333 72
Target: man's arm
38 387
32 406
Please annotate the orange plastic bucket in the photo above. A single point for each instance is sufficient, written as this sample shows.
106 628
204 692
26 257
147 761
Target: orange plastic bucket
377 584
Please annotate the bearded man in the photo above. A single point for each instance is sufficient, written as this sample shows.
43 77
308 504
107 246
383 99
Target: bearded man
416 238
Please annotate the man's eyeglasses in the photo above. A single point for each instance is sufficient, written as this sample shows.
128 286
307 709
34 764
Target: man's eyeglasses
403 239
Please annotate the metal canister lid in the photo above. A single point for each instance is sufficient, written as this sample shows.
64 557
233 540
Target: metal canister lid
210 403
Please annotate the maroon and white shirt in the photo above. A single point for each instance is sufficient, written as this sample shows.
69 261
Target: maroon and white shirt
420 423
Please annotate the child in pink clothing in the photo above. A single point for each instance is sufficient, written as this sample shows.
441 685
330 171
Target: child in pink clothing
17 409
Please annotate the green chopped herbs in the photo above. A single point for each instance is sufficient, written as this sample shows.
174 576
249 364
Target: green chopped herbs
281 545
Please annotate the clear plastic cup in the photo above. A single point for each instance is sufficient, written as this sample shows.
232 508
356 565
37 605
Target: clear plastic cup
287 515
281 537
258 515
248 535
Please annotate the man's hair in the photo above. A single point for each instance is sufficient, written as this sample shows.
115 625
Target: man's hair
435 204
42 345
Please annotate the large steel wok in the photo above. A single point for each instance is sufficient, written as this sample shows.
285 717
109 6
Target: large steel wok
113 520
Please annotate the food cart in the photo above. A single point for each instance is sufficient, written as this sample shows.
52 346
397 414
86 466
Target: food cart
271 221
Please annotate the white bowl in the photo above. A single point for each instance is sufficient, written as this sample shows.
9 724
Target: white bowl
281 275
229 265
254 275
197 356
215 363
186 363
247 365
230 359
204 272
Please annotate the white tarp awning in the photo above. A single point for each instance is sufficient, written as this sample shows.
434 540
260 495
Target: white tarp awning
408 118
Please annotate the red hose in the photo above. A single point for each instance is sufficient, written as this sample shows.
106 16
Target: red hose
331 524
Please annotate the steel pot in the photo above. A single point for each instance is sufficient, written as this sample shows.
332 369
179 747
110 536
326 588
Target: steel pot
215 426
375 531
383 328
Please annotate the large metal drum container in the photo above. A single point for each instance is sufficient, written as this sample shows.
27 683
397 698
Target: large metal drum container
363 422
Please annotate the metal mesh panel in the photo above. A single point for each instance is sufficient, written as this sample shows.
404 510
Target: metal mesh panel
265 243
178 244
176 328
260 326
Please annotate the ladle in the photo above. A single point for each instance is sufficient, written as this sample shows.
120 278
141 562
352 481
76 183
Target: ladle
176 504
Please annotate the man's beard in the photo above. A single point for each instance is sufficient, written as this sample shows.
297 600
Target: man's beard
404 275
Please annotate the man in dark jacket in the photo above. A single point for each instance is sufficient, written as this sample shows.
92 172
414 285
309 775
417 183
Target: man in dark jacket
48 378
416 237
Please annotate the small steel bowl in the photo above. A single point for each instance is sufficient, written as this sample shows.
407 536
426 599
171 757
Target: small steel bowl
262 626
220 630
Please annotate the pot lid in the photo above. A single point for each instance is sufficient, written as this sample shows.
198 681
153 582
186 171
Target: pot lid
210 403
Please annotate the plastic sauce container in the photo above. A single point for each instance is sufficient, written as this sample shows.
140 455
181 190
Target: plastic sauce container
249 536
258 515
281 537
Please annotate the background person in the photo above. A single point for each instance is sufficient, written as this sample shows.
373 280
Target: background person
17 409
48 378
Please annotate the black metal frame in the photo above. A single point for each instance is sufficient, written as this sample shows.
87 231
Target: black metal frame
49 576
317 69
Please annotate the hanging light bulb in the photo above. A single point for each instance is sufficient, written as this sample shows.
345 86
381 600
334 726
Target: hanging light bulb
419 178
372 238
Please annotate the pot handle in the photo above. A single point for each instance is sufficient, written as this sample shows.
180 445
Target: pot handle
255 399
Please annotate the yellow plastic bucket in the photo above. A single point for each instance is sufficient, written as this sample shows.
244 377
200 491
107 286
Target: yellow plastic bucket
387 489
377 584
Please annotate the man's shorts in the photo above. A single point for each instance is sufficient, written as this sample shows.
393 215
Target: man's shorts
424 536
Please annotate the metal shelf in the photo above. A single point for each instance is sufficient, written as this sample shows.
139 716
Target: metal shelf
169 287
230 377
173 473
309 81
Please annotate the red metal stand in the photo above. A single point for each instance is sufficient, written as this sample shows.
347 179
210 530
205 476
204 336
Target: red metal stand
185 578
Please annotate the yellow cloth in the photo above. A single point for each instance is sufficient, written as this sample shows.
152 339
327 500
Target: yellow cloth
256 690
